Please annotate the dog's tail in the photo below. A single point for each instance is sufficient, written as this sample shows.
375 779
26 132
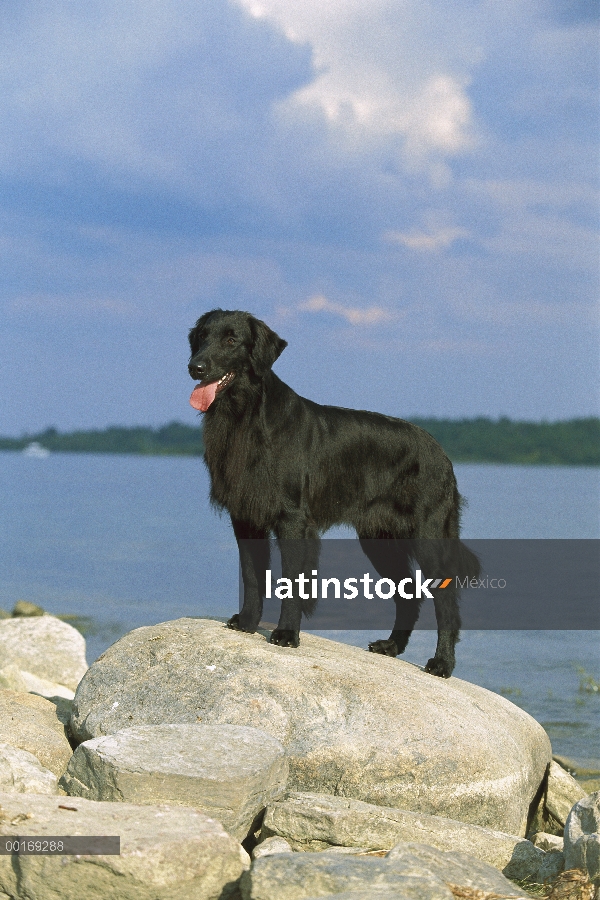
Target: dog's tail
446 558
466 562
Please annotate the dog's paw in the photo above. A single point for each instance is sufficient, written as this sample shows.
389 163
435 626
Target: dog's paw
385 648
285 637
234 622
440 667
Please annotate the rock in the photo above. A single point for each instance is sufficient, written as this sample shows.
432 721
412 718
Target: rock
63 708
414 871
14 679
45 688
454 868
25 608
317 821
563 792
353 723
227 771
586 772
22 773
371 893
582 838
11 678
271 845
551 866
31 723
45 647
547 841
297 876
167 853
353 851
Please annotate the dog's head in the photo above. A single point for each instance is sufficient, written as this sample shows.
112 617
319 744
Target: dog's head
224 345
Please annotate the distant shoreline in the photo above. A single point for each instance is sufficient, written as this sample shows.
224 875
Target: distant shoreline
574 442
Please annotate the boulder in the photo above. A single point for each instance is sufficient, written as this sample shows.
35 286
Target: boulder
582 837
229 772
21 772
384 892
11 678
167 853
547 841
31 723
45 688
414 871
271 845
562 793
353 723
586 772
14 679
25 608
45 647
317 821
454 868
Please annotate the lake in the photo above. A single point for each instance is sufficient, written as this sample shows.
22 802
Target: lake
131 541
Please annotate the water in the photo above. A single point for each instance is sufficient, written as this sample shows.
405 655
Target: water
131 541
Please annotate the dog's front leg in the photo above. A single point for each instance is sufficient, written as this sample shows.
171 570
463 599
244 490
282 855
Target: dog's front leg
299 545
254 550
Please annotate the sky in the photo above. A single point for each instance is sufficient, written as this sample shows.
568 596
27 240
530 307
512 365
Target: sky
405 190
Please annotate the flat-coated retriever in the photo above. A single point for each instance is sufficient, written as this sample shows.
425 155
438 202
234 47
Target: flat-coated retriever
285 466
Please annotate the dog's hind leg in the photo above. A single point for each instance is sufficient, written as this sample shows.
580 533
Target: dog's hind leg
440 559
254 550
391 559
448 622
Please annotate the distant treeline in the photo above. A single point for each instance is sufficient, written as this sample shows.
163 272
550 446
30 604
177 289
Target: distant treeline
174 439
575 442
572 443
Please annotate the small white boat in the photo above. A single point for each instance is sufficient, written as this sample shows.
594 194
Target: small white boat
36 450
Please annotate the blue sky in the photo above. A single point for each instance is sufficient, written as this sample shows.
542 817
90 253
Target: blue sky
405 190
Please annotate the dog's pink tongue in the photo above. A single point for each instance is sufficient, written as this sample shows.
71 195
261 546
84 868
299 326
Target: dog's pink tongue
203 395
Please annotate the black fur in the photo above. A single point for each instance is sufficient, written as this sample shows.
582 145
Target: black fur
285 466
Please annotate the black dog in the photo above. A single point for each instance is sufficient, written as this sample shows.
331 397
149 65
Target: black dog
283 465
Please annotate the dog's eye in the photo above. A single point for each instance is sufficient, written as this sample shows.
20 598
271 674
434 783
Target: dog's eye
231 341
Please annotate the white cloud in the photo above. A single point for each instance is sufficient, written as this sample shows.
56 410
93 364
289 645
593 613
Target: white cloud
384 70
416 240
354 316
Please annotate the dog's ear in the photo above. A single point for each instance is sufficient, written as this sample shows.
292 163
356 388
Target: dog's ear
266 347
195 331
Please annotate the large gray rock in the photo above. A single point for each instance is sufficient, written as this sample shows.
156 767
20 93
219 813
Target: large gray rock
45 647
562 793
21 772
353 723
229 772
582 837
318 821
31 723
166 853
415 871
454 868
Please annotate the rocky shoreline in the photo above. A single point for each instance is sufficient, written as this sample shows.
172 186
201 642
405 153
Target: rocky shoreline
231 768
